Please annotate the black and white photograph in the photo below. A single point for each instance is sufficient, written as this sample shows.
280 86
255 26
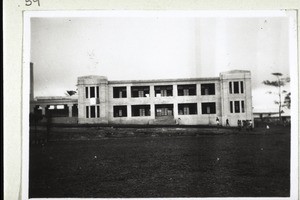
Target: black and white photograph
160 104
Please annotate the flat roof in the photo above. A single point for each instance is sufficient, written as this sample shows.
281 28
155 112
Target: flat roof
164 80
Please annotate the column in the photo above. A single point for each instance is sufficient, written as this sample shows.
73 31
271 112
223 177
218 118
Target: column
175 91
152 92
70 109
198 89
175 110
129 111
128 88
43 110
152 110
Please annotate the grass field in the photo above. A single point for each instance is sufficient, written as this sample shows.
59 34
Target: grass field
225 165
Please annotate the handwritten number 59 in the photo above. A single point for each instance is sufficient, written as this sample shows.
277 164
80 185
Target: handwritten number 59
30 2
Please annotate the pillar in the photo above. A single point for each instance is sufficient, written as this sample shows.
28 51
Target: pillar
43 110
70 109
175 91
152 110
128 88
175 110
129 111
152 92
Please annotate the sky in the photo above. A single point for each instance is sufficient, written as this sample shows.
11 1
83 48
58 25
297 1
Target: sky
138 48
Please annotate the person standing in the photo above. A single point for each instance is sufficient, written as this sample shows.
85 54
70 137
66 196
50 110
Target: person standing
250 125
227 122
218 121
239 125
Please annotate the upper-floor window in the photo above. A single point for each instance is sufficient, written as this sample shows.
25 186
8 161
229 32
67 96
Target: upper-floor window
236 87
186 90
242 86
140 91
86 92
119 92
163 90
92 92
208 89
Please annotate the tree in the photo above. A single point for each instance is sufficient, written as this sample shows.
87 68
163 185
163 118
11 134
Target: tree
287 100
280 82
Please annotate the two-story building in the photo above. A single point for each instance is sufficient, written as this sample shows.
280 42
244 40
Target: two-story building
166 101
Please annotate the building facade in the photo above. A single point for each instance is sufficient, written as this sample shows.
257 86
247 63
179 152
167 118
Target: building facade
193 101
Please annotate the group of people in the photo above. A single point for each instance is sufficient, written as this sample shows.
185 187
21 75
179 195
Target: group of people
241 124
245 124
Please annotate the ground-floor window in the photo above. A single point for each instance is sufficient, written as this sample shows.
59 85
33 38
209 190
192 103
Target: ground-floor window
187 108
140 110
75 110
237 106
164 110
209 108
92 111
120 111
57 110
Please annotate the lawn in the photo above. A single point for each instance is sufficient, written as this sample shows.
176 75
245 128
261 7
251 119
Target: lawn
224 165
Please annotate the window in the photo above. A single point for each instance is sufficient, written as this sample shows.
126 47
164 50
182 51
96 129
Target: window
97 91
209 108
236 87
208 89
93 111
231 106
119 92
98 111
87 112
140 91
75 110
120 111
230 87
86 92
140 110
164 110
237 107
243 106
92 92
242 87
186 90
163 90
187 109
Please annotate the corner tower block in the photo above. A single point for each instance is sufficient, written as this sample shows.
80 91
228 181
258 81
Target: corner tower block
92 99
236 96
